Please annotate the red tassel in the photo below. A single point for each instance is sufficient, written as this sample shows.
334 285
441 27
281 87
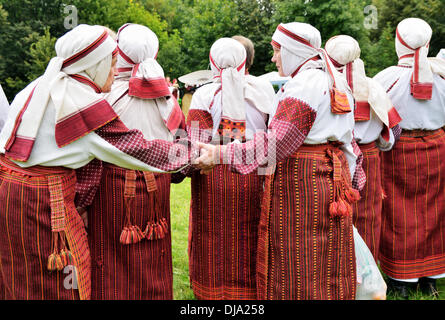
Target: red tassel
333 209
342 209
58 262
149 231
52 262
64 257
124 236
355 194
164 225
128 238
67 257
139 235
161 233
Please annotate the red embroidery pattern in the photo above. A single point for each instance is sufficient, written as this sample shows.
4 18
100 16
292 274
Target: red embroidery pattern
233 130
296 112
203 118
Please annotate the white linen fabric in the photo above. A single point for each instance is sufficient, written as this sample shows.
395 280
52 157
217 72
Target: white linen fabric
68 96
345 50
345 53
233 95
299 44
397 81
138 46
227 61
412 42
256 118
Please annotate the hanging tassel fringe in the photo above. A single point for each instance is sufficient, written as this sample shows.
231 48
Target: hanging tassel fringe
156 231
344 195
58 260
131 234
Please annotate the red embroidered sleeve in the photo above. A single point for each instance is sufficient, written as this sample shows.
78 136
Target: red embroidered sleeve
199 125
161 154
287 132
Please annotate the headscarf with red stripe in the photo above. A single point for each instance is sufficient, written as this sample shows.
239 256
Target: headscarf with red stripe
344 51
228 62
413 37
138 48
299 44
84 55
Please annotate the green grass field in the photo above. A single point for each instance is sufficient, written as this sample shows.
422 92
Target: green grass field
180 208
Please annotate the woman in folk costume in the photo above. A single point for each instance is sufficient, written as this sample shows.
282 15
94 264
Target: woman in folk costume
58 123
374 117
225 206
129 216
413 243
306 247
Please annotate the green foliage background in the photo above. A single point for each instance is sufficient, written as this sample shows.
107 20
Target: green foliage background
187 29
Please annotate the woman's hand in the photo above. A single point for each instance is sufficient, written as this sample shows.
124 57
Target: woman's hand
208 157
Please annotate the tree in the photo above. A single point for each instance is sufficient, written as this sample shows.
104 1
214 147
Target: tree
332 17
15 40
382 52
391 12
29 28
255 22
211 21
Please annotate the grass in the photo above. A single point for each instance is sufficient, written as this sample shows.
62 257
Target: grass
180 208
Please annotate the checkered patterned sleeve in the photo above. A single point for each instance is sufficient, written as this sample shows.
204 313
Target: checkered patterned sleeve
199 128
359 178
287 131
88 180
161 154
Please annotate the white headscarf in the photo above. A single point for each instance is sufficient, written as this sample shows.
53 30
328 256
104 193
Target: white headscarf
299 44
441 54
84 54
344 51
228 61
413 36
138 49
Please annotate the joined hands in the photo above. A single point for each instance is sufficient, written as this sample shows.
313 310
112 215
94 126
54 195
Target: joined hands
208 157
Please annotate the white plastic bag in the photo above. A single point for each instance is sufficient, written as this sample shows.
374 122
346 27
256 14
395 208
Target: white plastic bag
370 283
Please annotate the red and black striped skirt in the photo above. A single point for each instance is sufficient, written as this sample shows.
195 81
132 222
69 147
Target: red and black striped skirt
413 223
26 237
224 217
304 253
367 216
135 271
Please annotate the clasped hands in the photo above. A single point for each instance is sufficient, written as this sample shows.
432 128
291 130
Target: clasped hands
208 157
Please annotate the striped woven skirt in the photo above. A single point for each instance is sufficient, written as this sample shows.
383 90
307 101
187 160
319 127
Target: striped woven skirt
224 217
367 216
413 223
304 252
130 265
35 202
